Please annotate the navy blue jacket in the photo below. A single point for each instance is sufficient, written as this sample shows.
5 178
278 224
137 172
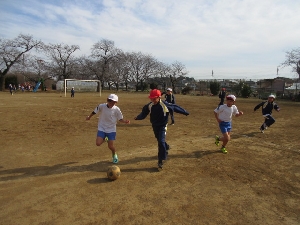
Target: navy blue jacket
267 107
159 113
170 98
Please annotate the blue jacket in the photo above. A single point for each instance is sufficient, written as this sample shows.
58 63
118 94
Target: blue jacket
170 98
267 107
159 113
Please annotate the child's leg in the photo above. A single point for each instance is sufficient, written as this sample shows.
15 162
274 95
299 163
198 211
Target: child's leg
225 138
160 134
172 117
111 137
111 146
225 128
114 155
269 120
99 140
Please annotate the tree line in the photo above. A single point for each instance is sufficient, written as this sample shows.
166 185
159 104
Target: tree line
38 61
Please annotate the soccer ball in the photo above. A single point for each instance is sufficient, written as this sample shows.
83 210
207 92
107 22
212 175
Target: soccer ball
113 172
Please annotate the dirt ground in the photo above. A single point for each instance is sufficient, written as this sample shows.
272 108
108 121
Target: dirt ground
51 171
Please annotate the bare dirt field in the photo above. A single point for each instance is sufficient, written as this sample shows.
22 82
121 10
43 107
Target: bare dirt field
51 171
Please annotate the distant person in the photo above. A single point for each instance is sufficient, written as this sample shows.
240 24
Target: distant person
267 107
170 98
72 92
222 96
159 112
11 89
107 130
223 114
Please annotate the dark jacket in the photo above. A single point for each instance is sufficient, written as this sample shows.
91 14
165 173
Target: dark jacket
222 94
159 113
267 107
170 98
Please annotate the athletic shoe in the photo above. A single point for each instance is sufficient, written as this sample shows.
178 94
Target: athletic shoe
217 140
168 147
160 165
261 130
223 149
172 123
115 158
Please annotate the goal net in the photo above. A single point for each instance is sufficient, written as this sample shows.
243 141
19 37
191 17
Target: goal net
81 86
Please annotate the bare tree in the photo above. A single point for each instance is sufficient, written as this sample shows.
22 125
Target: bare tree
62 61
177 70
142 67
119 71
150 69
164 71
104 51
93 67
293 60
11 52
34 69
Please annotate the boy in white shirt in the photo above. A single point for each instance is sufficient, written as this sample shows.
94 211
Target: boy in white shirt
110 115
223 114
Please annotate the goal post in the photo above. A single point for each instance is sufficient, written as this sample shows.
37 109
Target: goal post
79 83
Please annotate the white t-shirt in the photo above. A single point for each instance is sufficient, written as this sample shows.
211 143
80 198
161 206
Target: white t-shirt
225 113
108 118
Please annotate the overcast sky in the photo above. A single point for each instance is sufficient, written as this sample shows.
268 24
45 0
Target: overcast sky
244 39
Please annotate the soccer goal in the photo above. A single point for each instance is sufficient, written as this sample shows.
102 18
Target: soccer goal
82 85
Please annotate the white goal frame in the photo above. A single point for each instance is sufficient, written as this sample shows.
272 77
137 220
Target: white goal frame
66 80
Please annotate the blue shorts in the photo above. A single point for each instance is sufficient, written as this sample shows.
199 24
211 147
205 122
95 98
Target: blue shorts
225 127
111 136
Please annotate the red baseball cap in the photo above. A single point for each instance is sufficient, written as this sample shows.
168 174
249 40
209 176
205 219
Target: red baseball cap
155 93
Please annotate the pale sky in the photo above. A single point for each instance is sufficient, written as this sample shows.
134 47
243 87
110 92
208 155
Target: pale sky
237 39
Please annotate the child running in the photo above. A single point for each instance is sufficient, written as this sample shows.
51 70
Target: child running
223 114
267 107
110 115
159 112
170 98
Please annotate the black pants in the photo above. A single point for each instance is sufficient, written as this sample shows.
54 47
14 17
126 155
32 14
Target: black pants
163 147
221 102
172 116
269 120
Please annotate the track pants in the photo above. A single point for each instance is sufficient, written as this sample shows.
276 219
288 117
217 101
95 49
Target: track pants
163 147
269 120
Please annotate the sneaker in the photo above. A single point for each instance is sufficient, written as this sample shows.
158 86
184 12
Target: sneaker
115 158
223 149
160 165
217 140
172 123
168 147
261 130
264 126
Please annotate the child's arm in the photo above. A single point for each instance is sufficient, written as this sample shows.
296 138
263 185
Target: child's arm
239 114
89 117
124 121
258 106
217 118
143 114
